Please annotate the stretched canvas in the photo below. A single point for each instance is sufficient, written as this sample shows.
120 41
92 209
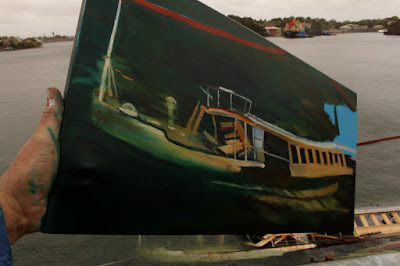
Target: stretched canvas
178 120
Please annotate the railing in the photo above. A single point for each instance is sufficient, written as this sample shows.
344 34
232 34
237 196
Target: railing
377 222
246 144
216 97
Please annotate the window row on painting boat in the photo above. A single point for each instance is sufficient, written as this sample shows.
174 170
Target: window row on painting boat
301 155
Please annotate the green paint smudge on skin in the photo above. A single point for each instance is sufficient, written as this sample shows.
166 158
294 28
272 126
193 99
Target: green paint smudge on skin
55 139
57 114
33 185
55 162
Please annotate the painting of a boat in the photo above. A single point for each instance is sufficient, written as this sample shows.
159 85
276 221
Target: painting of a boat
237 139
180 121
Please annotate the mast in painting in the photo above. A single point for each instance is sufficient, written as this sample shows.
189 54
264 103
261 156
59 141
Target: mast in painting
107 77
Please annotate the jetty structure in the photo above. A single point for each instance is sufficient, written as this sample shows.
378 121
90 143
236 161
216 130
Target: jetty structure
371 226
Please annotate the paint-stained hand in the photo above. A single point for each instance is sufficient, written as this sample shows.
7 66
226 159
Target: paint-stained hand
25 185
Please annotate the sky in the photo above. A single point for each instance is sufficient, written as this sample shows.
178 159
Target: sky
27 18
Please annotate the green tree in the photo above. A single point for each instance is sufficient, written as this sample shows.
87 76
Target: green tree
301 19
393 28
13 42
250 23
332 24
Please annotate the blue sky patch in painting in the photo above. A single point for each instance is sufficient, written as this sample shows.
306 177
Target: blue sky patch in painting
347 120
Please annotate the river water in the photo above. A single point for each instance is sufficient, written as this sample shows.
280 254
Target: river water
368 63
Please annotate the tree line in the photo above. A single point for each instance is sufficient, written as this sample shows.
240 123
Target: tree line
319 25
393 28
13 43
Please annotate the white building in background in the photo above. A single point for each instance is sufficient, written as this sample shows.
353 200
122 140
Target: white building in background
354 27
273 31
378 27
345 28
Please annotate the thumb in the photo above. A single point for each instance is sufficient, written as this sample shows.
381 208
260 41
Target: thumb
52 115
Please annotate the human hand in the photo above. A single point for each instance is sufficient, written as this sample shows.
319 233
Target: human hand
25 185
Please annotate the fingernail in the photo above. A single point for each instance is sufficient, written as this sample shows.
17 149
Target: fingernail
51 97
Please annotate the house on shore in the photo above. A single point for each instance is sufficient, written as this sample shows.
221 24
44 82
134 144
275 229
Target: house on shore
273 31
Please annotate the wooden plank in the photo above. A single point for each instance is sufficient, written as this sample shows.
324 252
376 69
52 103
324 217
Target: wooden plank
300 240
242 134
376 222
306 155
290 153
300 236
232 147
266 236
264 242
226 124
210 138
314 155
281 238
364 221
235 142
344 160
298 154
231 135
386 219
396 217
196 126
215 127
191 119
325 236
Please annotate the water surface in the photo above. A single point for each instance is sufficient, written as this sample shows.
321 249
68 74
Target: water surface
368 63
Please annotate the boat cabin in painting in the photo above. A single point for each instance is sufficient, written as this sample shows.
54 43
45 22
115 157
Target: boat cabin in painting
181 121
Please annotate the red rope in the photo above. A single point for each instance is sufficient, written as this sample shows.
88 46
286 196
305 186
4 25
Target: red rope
377 140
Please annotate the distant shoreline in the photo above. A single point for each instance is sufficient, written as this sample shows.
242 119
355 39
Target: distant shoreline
335 34
58 42
13 43
51 40
27 48
21 49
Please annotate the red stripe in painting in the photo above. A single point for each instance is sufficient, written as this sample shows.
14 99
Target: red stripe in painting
341 91
209 29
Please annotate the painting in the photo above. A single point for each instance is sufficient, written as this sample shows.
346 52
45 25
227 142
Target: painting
179 120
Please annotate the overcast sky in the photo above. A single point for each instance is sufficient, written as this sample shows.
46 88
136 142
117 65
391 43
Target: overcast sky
37 17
